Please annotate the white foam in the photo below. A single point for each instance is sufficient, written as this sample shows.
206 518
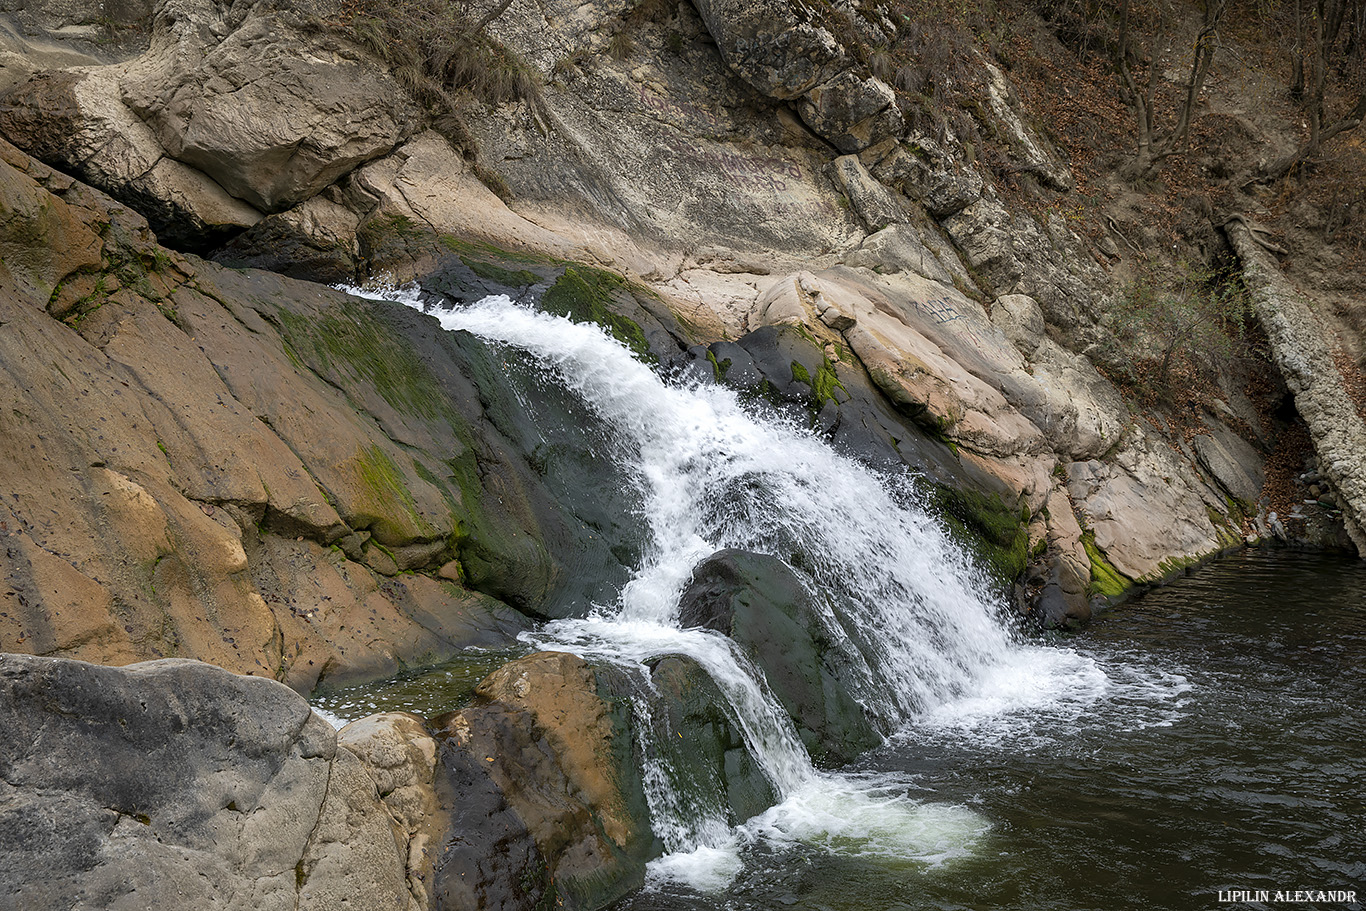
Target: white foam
705 868
870 816
336 721
383 288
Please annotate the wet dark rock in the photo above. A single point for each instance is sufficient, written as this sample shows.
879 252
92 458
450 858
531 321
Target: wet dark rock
763 605
704 744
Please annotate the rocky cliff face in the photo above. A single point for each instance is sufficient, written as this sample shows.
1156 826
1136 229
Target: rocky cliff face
739 162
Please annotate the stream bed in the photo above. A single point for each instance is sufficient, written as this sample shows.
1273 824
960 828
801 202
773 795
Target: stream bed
1250 775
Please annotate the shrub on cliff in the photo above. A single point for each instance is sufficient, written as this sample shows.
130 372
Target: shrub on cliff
1194 319
440 50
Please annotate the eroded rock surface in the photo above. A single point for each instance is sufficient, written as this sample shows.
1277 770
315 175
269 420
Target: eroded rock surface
175 784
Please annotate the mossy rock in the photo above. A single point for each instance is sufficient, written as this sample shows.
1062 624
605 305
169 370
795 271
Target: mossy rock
587 295
995 531
1106 580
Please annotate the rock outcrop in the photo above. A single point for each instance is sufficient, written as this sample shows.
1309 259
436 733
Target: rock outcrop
175 784
235 467
1303 355
764 606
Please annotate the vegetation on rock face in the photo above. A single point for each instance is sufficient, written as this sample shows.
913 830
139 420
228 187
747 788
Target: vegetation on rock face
989 526
585 294
350 340
1161 330
1105 579
441 51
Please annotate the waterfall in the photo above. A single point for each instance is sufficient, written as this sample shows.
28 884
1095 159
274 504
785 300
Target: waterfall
895 592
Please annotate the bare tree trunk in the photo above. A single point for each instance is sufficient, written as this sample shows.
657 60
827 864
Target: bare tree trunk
1297 54
1328 16
1152 150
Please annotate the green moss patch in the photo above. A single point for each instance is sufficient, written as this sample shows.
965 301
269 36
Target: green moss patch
823 384
719 369
350 339
508 278
486 251
1105 579
995 530
385 485
587 295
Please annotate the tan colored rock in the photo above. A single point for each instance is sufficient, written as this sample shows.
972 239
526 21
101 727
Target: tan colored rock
1145 507
76 120
171 462
899 248
548 740
271 128
463 206
43 240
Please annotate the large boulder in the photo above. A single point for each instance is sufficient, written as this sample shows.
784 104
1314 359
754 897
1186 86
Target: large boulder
272 128
176 784
763 605
549 802
769 46
401 757
76 121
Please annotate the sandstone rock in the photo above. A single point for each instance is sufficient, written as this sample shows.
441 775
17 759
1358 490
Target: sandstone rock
1064 601
76 121
547 747
198 422
43 240
765 608
1146 511
173 783
1233 462
272 129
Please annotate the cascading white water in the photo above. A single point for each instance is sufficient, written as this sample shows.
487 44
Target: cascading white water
894 589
